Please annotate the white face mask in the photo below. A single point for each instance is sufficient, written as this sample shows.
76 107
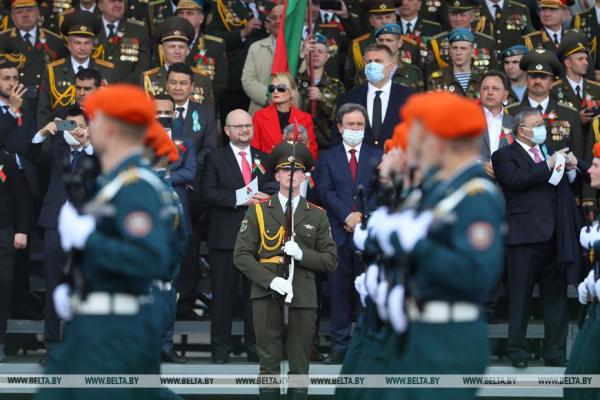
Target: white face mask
353 138
70 139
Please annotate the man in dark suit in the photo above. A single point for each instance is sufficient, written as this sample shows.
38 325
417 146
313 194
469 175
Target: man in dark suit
379 96
228 169
542 241
341 170
74 146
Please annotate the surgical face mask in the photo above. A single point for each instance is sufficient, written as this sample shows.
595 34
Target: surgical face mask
353 138
539 134
70 139
374 72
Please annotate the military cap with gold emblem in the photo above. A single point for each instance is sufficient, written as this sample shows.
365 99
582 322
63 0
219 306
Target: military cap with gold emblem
458 6
461 35
285 153
541 61
175 28
190 5
573 42
517 50
556 3
382 6
393 29
81 23
14 4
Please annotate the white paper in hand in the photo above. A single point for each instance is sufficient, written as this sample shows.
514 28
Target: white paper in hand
244 194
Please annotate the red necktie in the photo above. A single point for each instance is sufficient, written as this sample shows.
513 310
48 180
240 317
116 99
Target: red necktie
353 164
246 172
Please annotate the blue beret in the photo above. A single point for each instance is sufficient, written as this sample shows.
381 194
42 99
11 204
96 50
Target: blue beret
518 50
461 35
320 38
394 29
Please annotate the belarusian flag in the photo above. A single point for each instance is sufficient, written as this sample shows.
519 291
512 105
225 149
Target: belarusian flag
289 37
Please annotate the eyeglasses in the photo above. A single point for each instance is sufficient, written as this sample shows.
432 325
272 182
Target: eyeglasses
281 88
239 127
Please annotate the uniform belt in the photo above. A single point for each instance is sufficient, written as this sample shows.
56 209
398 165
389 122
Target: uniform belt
103 303
163 286
441 312
271 260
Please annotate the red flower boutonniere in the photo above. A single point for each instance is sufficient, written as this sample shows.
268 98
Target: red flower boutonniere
180 146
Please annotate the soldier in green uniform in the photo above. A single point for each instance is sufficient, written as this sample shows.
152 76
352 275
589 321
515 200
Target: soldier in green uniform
511 58
38 46
552 14
413 24
435 10
208 53
588 23
461 76
461 14
158 12
174 36
57 90
125 241
506 24
451 239
123 42
562 122
324 90
408 75
52 13
260 253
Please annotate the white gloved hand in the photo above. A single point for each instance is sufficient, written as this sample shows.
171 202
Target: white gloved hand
62 303
74 229
361 288
360 237
383 231
371 279
396 312
589 282
292 249
381 299
280 285
584 295
410 233
585 237
597 289
377 216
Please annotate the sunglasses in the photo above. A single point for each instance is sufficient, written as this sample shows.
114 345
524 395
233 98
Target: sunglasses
281 88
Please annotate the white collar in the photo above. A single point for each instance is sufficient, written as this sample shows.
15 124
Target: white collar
32 32
283 201
387 88
527 147
105 22
413 22
236 150
551 33
544 103
491 4
76 65
488 113
91 9
573 83
184 105
348 148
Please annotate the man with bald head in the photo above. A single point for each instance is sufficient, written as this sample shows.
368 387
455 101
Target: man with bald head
226 170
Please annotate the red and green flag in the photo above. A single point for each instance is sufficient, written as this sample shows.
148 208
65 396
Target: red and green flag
289 37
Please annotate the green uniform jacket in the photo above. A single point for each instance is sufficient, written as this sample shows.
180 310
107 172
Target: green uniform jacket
338 44
128 50
444 80
564 94
158 11
425 29
155 82
138 10
540 39
588 24
59 93
313 235
514 23
209 55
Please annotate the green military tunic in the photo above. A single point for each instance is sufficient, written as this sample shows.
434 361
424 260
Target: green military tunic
52 13
209 55
57 90
444 79
514 22
484 54
331 89
424 29
155 81
540 39
138 10
158 11
587 23
128 49
435 10
563 92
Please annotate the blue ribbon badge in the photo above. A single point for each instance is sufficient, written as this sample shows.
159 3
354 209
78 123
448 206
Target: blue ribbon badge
195 122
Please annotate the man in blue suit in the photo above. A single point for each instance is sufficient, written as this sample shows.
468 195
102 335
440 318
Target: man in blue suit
340 172
381 98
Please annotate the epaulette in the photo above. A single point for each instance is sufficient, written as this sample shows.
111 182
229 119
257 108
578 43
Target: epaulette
56 63
512 105
514 3
156 2
409 40
568 107
313 205
197 70
557 83
532 34
8 30
441 35
595 83
484 35
152 71
135 22
431 22
104 63
49 32
436 74
362 37
213 38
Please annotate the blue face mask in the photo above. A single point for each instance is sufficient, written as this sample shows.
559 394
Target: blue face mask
374 72
539 134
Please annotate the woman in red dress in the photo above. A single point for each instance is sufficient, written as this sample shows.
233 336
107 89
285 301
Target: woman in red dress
270 121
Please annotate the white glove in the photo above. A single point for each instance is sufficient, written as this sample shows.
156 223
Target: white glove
292 249
585 237
597 289
583 293
396 313
377 216
361 288
74 229
386 226
410 233
371 279
280 285
589 282
360 237
62 303
381 299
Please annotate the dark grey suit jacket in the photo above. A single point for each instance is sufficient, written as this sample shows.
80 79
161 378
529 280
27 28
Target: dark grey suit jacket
507 122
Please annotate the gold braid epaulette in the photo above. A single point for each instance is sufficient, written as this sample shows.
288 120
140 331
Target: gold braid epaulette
99 53
17 59
596 127
357 55
230 20
148 86
279 236
4 23
63 99
436 52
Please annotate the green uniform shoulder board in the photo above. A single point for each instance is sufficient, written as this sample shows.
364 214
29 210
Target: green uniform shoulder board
431 22
362 37
557 83
7 31
517 4
49 32
156 2
135 22
589 82
151 71
436 74
313 205
213 38
484 35
512 105
56 63
530 35
104 63
357 52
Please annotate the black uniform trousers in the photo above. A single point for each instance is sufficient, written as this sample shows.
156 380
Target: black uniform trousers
526 265
54 262
7 263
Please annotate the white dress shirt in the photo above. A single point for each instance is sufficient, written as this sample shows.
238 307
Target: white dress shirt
385 98
348 148
597 13
283 201
91 9
32 33
544 103
327 16
8 110
552 33
412 22
106 29
575 84
76 65
185 106
236 152
494 128
490 5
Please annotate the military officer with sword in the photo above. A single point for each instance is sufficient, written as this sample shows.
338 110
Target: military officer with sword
283 294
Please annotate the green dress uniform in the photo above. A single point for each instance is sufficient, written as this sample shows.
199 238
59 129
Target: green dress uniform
588 24
52 13
138 10
155 81
113 330
258 255
484 54
208 54
563 92
540 39
128 49
424 29
444 79
507 31
331 89
435 10
158 12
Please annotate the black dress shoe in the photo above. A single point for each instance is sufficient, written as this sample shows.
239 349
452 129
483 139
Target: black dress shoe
519 364
172 357
336 357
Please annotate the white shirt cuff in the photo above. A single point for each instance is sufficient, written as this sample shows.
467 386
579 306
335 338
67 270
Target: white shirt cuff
38 138
571 175
89 149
